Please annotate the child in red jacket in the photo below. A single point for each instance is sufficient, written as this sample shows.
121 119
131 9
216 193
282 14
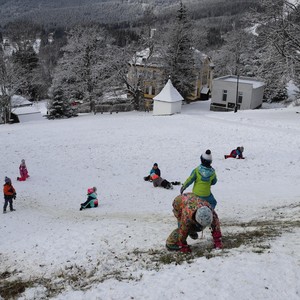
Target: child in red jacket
236 153
9 194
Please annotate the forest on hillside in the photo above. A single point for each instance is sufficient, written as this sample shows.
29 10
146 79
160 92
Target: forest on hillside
242 37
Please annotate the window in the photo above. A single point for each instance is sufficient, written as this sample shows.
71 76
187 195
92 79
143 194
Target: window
240 98
153 90
224 98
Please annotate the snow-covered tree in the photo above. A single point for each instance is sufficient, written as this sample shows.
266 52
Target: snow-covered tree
179 55
233 57
280 29
60 106
26 64
83 71
9 84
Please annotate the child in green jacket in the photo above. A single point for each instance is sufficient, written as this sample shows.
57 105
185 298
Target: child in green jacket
203 177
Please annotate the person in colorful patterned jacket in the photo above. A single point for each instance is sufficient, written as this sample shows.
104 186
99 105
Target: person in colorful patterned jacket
236 153
92 200
193 215
9 194
23 171
203 177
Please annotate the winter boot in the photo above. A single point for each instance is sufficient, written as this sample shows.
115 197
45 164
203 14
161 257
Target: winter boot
217 239
176 182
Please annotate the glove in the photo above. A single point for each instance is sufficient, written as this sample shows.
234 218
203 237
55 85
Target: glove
15 196
182 189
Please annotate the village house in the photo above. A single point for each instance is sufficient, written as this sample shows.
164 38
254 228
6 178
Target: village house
23 110
234 93
148 65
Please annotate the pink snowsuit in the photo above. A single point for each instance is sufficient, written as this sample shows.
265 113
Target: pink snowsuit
23 172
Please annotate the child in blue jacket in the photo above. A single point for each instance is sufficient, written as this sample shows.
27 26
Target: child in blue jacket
92 200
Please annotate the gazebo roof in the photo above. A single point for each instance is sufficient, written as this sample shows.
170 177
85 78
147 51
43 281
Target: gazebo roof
168 94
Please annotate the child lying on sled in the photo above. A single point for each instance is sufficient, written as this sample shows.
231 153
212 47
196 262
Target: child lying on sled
155 178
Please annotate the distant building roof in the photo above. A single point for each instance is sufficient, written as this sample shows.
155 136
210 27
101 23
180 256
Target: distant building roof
17 100
168 94
205 90
154 58
247 80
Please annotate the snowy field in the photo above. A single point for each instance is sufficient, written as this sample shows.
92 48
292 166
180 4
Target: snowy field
51 250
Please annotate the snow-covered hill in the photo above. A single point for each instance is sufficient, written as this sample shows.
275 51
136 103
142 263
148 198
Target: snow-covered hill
116 251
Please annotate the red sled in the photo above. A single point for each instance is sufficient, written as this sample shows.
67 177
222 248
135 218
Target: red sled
22 178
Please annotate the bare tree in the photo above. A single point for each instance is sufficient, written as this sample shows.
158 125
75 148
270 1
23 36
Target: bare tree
84 68
9 83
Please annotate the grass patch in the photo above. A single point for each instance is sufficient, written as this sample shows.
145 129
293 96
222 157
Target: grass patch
11 289
255 234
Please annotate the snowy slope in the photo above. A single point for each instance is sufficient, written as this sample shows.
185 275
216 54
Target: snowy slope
111 252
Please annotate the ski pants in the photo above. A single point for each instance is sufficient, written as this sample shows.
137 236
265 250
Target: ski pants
6 201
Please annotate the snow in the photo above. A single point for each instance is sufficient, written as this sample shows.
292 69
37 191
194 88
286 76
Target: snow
253 29
292 90
105 252
37 45
17 100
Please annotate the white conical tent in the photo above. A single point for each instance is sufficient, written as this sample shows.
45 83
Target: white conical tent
168 101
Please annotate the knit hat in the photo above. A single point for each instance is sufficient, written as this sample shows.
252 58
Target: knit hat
155 164
23 161
90 191
7 180
204 216
242 149
206 158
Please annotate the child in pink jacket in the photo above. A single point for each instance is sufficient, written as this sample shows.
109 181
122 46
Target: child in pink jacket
23 171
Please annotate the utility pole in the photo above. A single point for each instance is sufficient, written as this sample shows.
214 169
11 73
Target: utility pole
237 93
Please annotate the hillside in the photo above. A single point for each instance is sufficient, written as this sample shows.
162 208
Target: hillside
117 251
68 12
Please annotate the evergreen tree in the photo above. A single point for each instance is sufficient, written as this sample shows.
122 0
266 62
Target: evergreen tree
59 106
179 55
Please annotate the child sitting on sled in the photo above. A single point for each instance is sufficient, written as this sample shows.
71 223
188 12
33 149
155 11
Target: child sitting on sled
23 171
92 200
157 180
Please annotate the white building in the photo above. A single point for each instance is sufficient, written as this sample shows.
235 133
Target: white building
168 101
227 91
23 111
